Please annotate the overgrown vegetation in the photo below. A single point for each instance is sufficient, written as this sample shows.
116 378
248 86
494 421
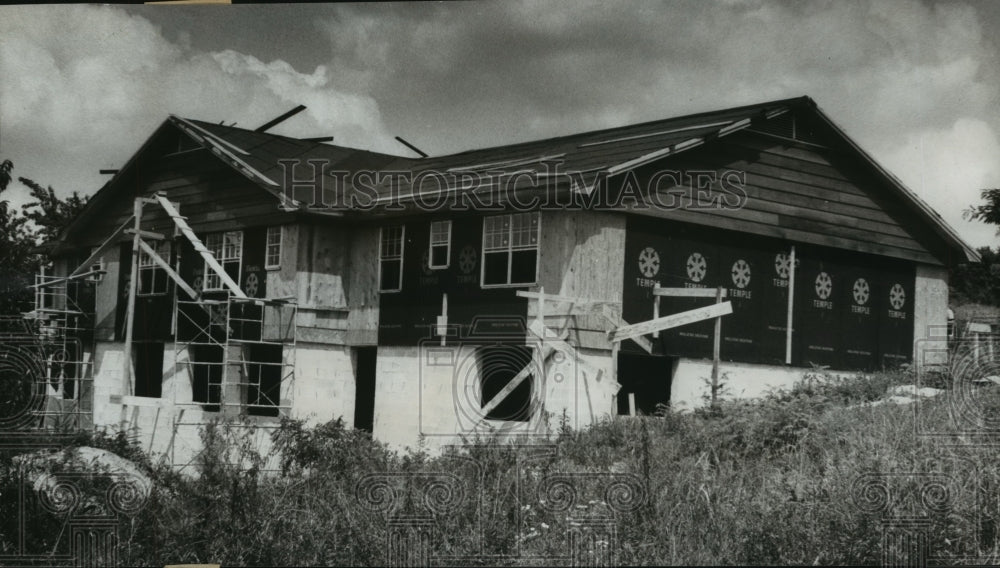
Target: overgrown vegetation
768 481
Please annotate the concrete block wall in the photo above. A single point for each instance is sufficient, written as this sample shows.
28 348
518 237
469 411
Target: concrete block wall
325 384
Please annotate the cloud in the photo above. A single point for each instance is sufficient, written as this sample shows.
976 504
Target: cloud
887 71
84 85
72 103
948 167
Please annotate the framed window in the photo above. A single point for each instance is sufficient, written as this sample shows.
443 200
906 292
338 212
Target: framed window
440 252
390 258
272 252
227 248
152 278
510 249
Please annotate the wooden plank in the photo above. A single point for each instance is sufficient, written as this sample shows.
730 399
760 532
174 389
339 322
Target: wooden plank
802 199
716 349
671 321
831 227
108 243
791 305
130 306
656 306
147 234
200 248
557 342
507 389
615 320
688 292
166 268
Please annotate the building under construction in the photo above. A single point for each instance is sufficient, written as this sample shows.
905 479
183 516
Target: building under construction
227 273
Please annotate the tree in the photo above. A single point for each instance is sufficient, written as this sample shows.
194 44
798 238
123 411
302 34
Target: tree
979 282
20 234
988 212
5 168
49 213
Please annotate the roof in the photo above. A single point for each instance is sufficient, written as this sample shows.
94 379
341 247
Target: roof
259 156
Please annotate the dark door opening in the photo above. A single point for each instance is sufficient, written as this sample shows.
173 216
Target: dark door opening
364 376
498 365
648 378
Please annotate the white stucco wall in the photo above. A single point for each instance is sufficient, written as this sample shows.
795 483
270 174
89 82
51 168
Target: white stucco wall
930 316
431 395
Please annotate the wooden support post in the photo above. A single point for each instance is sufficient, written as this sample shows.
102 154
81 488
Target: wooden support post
615 348
716 348
130 307
791 304
656 307
631 404
442 320
541 305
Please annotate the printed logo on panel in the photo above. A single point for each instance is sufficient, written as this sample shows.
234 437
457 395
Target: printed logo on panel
649 262
861 291
696 267
897 297
824 285
467 259
741 274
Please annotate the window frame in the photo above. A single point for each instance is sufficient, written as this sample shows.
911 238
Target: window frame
510 249
147 264
279 229
222 259
400 257
446 244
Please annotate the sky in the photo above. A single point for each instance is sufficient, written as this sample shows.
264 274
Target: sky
916 83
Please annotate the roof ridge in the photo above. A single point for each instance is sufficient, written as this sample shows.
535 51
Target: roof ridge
204 123
804 99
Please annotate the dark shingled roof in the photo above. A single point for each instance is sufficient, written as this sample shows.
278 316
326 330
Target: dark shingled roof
259 156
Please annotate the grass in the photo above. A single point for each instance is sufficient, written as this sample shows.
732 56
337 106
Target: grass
768 481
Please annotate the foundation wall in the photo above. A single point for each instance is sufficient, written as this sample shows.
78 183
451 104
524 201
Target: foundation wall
430 396
170 426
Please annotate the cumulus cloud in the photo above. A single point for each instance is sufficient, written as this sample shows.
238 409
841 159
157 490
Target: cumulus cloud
83 86
887 71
